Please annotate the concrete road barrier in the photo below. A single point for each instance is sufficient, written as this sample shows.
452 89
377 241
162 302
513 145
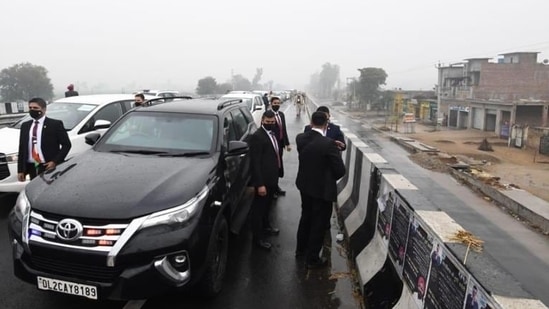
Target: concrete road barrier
403 246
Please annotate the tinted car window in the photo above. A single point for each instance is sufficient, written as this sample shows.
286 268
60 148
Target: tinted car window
229 132
109 112
240 123
248 116
162 132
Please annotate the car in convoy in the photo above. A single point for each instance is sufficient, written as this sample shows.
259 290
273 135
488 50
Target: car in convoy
254 102
80 115
146 211
167 94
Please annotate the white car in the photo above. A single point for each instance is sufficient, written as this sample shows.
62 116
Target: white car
254 102
160 93
80 115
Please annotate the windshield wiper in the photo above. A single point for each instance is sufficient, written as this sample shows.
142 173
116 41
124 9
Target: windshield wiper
184 154
152 152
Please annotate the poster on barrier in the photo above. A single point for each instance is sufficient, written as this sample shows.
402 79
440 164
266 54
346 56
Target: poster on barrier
399 233
477 297
385 205
417 259
448 280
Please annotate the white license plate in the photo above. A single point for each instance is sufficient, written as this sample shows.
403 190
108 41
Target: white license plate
67 287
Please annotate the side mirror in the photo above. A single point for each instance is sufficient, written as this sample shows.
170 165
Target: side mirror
92 138
101 124
237 148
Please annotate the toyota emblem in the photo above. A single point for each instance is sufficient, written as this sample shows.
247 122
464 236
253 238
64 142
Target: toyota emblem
69 229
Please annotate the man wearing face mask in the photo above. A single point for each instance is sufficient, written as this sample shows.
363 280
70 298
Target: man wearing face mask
265 164
139 100
282 137
43 142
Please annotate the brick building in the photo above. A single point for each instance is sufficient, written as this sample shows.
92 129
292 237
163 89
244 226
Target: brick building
489 96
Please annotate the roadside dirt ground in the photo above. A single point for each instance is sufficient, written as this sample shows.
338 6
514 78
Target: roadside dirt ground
522 168
513 167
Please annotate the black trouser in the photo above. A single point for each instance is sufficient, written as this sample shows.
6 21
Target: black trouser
280 153
261 208
315 216
33 170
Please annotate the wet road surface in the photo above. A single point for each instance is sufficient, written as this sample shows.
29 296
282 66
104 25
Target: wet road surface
255 278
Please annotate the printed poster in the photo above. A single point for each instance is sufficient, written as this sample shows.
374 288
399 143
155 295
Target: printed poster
447 280
385 204
477 297
399 233
417 260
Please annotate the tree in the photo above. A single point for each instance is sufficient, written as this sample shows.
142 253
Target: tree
368 85
224 88
24 81
328 77
257 77
206 85
241 83
322 84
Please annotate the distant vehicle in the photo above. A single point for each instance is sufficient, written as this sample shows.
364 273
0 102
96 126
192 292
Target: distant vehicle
160 93
240 92
80 115
254 101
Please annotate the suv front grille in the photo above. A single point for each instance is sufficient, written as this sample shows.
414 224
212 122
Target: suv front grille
4 170
93 235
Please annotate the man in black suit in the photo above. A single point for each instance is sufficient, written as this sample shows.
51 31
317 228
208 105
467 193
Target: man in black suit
265 165
333 131
43 142
282 136
320 166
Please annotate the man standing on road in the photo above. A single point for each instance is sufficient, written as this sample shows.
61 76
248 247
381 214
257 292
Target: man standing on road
71 92
333 131
265 100
282 137
265 165
43 142
320 166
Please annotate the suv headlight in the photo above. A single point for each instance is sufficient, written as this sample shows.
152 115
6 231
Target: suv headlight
178 214
12 157
19 216
22 206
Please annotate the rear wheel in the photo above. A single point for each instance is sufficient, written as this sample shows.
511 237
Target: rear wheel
212 281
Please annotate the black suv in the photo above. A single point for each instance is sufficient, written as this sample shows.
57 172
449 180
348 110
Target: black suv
146 211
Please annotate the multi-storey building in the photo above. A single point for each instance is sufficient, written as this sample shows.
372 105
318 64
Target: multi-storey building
491 95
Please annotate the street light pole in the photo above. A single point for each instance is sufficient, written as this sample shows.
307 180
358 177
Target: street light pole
348 91
439 86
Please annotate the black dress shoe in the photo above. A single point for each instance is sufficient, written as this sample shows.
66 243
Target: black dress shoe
271 231
263 245
319 263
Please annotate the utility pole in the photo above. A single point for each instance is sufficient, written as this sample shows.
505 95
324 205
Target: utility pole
439 86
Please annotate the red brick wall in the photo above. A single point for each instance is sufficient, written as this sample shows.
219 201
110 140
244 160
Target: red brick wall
513 81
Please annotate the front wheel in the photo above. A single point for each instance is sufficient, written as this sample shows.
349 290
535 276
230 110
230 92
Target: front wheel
212 281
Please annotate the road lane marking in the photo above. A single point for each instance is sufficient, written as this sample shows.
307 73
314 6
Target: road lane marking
135 304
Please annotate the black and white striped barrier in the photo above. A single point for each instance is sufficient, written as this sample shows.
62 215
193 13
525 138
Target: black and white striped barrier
403 247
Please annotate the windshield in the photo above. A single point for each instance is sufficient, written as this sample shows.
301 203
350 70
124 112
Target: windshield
157 132
70 113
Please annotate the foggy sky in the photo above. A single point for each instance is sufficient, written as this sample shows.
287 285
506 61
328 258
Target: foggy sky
125 45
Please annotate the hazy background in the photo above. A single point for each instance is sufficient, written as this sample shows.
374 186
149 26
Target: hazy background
125 45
